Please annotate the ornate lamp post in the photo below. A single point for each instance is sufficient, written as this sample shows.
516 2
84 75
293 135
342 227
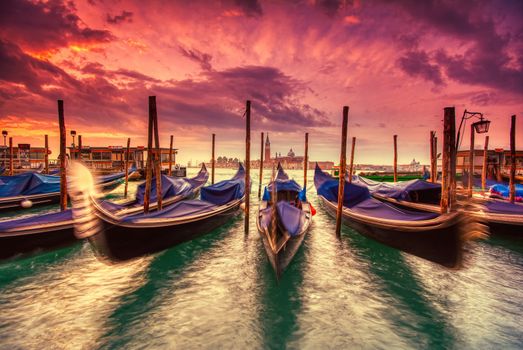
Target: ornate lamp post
4 134
480 127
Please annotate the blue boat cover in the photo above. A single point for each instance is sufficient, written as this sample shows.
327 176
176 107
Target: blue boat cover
291 217
225 191
358 199
55 217
28 184
232 189
403 190
283 183
200 179
171 186
327 187
504 191
32 183
180 209
501 207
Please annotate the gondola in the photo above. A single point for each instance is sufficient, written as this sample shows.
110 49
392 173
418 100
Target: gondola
435 237
54 230
284 218
116 238
31 189
501 216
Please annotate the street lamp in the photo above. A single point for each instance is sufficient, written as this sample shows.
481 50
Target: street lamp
4 134
481 127
73 134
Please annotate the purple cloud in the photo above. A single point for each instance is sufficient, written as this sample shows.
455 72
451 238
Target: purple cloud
125 16
46 25
417 63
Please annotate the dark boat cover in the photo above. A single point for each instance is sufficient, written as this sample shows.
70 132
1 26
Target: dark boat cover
48 218
2 169
225 191
171 186
216 195
501 207
357 198
33 183
291 217
28 184
411 191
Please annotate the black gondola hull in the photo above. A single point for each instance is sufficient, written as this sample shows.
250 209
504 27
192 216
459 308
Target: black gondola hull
442 245
35 241
282 259
120 243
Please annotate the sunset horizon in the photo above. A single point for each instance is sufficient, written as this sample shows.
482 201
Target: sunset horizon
396 65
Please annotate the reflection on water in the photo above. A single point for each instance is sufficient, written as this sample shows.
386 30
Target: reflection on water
220 291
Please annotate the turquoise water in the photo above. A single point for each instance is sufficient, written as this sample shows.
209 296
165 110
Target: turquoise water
219 291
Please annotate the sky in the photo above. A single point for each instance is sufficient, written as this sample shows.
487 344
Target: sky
396 64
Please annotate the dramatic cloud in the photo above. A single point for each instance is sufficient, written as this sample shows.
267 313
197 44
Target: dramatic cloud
44 25
125 16
203 59
417 63
251 8
298 62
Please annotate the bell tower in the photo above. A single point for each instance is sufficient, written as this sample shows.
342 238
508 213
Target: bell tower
267 158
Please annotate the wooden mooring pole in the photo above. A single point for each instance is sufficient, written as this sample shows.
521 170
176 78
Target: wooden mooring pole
448 141
158 153
213 159
247 163
471 163
171 157
11 157
63 138
46 155
149 164
343 161
79 155
485 165
127 166
432 156
512 180
452 161
351 166
395 158
306 161
261 167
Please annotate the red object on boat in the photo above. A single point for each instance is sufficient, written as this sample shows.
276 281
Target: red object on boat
313 211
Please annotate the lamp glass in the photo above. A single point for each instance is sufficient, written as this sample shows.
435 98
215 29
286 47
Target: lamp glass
482 126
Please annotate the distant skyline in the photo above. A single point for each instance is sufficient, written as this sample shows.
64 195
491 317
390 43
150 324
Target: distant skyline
396 64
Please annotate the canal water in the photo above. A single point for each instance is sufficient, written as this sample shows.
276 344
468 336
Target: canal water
219 291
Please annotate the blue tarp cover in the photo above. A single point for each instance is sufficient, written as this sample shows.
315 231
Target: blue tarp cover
357 198
500 207
181 209
65 215
291 217
171 186
403 190
327 187
27 184
284 183
31 183
504 191
225 191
